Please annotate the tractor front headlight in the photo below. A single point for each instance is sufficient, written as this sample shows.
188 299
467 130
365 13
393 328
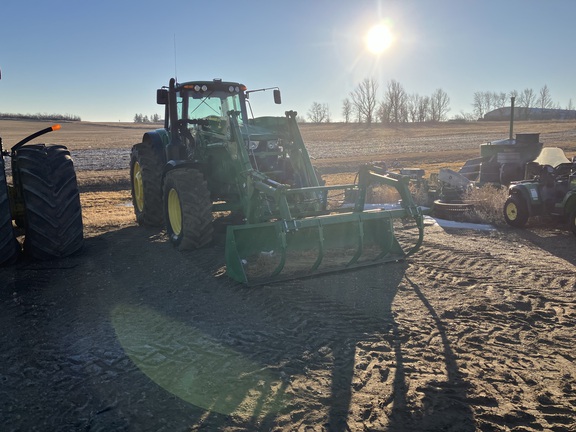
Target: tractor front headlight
272 144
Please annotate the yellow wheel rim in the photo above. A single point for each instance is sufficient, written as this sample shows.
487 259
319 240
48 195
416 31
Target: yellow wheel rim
511 211
138 187
174 212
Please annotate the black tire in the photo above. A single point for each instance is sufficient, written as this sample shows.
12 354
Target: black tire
572 221
9 246
146 165
187 209
516 211
451 210
52 211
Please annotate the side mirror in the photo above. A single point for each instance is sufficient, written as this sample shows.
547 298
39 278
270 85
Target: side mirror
162 97
277 96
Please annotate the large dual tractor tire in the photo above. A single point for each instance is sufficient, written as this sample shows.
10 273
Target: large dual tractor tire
516 211
146 165
9 246
52 211
187 209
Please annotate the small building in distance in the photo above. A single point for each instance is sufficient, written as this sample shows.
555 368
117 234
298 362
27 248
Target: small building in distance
521 113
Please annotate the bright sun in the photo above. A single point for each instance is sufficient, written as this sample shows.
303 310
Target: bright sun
378 39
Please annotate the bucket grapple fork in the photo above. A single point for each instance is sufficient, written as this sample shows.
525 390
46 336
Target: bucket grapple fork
295 247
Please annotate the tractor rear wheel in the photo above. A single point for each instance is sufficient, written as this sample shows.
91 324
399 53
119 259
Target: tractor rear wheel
146 166
52 211
187 209
516 211
9 246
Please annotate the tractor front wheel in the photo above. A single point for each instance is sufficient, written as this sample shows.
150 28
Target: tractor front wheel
187 209
9 246
515 211
53 215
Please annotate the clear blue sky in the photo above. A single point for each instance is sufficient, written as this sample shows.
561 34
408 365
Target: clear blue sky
103 60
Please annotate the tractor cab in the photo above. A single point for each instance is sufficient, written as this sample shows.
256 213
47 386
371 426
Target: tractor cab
199 117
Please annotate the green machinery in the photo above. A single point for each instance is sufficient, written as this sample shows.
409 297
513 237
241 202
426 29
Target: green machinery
503 161
43 199
551 191
212 158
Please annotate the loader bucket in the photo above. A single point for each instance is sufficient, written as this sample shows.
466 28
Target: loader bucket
281 250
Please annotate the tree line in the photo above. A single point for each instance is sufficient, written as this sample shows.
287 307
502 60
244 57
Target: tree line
486 101
140 118
396 105
40 117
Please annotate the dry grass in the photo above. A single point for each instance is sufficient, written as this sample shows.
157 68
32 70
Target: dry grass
488 203
106 211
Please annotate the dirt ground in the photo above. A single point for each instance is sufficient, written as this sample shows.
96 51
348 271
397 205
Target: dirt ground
473 333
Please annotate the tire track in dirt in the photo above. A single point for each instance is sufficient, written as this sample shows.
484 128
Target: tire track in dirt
511 325
467 335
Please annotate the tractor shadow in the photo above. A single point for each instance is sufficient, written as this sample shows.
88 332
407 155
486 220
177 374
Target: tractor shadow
364 335
212 353
316 336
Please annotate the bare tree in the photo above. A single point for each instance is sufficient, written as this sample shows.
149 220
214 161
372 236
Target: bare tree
364 99
570 105
526 100
319 113
489 101
500 102
423 108
439 105
479 105
413 102
501 99
347 110
395 98
544 98
383 112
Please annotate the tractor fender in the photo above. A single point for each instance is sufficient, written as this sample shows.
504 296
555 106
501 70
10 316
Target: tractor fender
529 193
158 139
179 164
569 202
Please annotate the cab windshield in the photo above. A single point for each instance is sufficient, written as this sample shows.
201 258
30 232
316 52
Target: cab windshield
213 106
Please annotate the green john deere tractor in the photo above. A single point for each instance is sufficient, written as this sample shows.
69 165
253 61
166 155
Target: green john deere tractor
551 191
211 157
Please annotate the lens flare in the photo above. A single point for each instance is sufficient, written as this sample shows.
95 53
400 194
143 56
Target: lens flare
379 38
